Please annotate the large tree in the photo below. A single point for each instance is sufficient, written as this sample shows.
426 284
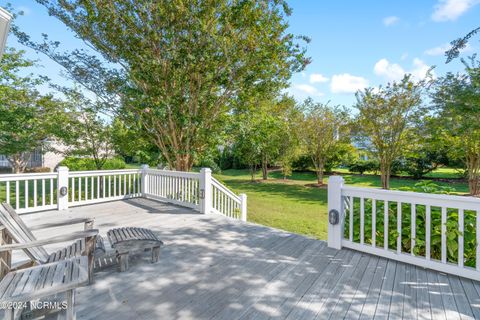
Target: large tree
457 97
386 119
26 116
325 134
179 66
261 132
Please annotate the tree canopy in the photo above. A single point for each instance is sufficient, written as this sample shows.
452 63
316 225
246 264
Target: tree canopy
178 66
27 117
457 98
325 134
386 118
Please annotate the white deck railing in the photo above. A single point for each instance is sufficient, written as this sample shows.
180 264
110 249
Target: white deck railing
227 203
440 232
88 187
62 189
182 188
29 192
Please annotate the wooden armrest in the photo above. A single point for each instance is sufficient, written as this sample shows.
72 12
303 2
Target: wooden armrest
67 237
62 223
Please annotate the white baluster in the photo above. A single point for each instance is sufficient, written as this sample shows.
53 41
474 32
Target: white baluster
399 227
460 237
444 235
43 192
351 219
374 223
385 225
413 227
362 220
8 192
17 195
26 194
427 231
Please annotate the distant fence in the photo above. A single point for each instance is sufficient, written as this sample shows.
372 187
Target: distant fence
440 232
63 189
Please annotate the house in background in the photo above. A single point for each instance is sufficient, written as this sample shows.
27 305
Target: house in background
38 158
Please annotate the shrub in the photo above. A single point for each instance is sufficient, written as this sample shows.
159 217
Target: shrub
225 159
37 169
114 163
84 164
302 163
362 166
209 162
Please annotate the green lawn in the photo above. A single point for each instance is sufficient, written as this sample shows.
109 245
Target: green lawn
292 206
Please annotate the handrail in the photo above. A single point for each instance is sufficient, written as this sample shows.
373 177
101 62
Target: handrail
452 201
224 189
172 173
27 176
95 173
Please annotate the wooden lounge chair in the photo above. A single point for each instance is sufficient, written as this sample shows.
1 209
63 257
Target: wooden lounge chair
88 242
47 282
126 240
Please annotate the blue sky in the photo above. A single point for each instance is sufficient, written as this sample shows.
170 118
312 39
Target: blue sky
354 43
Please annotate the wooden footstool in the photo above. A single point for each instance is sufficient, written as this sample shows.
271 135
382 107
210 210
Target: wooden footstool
125 240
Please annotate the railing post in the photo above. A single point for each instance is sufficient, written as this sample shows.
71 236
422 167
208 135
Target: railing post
62 188
205 190
144 190
335 207
243 207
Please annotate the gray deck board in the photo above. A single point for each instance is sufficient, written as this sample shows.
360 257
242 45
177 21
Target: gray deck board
386 293
435 293
212 267
373 294
410 294
398 293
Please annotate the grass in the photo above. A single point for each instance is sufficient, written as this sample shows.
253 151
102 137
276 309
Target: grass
291 205
133 166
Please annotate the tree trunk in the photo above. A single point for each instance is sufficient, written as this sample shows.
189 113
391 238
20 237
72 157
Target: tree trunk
473 167
183 162
385 174
19 162
264 168
473 186
253 170
319 170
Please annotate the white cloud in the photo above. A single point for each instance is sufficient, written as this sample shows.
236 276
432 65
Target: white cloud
440 50
395 72
346 83
391 71
450 10
420 69
390 21
308 89
318 78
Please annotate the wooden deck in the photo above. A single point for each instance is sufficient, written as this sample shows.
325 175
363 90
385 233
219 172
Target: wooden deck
215 268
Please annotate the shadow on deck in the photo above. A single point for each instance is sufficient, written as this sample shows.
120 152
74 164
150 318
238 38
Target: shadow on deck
212 267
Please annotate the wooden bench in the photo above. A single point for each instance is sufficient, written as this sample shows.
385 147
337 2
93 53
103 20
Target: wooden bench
44 281
125 240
